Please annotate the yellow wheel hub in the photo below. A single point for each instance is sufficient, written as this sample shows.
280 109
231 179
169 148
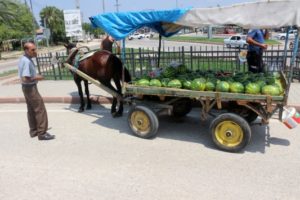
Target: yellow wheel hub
229 133
140 122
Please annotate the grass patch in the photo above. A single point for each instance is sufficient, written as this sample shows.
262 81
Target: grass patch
206 40
196 39
9 72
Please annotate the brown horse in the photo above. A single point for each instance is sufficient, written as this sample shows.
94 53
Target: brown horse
104 67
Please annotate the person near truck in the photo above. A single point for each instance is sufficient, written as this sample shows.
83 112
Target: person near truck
256 40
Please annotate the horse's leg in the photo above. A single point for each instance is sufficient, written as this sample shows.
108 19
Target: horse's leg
87 92
113 110
119 89
78 83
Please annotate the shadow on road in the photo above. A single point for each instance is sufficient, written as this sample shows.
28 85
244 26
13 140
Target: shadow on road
187 129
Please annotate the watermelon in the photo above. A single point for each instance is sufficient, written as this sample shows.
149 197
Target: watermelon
261 83
198 85
164 82
252 88
155 82
271 90
143 82
222 86
279 85
187 84
175 83
209 86
169 72
236 87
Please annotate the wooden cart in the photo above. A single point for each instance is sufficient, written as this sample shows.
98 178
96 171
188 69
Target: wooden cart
230 130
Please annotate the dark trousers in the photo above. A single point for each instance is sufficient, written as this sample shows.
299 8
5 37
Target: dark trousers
255 62
36 111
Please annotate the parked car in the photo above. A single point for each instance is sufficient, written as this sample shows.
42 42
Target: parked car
136 36
236 41
149 35
282 36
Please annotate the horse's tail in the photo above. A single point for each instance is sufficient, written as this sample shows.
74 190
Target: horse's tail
119 65
127 77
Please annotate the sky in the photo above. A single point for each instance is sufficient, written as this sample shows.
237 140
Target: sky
93 7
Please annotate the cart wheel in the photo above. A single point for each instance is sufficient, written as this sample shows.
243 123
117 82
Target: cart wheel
143 122
182 107
230 132
246 113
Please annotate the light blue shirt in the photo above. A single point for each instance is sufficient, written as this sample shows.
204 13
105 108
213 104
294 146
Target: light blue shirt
26 69
258 36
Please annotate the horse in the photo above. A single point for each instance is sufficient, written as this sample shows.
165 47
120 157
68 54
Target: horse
104 67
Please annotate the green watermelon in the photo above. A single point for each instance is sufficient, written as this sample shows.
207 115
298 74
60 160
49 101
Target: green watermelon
261 83
236 87
175 83
187 84
279 85
198 85
209 86
271 90
155 82
270 80
252 88
169 72
143 82
222 86
164 82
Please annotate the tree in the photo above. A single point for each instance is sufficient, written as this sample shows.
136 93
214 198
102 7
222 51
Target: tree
15 20
6 11
88 28
54 19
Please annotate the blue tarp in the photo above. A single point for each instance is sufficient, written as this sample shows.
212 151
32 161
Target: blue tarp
120 25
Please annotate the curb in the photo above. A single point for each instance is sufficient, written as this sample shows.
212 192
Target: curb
68 99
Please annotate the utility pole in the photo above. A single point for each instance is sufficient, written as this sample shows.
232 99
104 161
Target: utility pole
33 22
77 4
117 5
103 6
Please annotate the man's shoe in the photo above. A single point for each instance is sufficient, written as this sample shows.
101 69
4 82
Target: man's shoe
46 136
33 135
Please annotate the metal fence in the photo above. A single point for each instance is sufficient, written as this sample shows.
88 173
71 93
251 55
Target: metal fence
141 61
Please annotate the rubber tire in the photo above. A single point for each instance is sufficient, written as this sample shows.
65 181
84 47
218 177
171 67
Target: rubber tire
228 45
182 107
237 120
282 38
237 109
153 121
245 46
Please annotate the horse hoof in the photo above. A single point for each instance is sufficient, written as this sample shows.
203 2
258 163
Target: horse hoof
80 110
89 107
115 114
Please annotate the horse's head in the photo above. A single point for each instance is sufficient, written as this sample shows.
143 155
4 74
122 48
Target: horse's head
69 46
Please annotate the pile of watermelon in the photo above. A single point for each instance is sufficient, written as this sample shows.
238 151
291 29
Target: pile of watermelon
249 83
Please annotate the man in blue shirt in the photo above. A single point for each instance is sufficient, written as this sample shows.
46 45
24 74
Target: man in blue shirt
36 111
256 40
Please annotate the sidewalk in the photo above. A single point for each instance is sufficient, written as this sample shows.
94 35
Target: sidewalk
66 92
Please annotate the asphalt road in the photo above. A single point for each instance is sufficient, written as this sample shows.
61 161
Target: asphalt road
96 157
